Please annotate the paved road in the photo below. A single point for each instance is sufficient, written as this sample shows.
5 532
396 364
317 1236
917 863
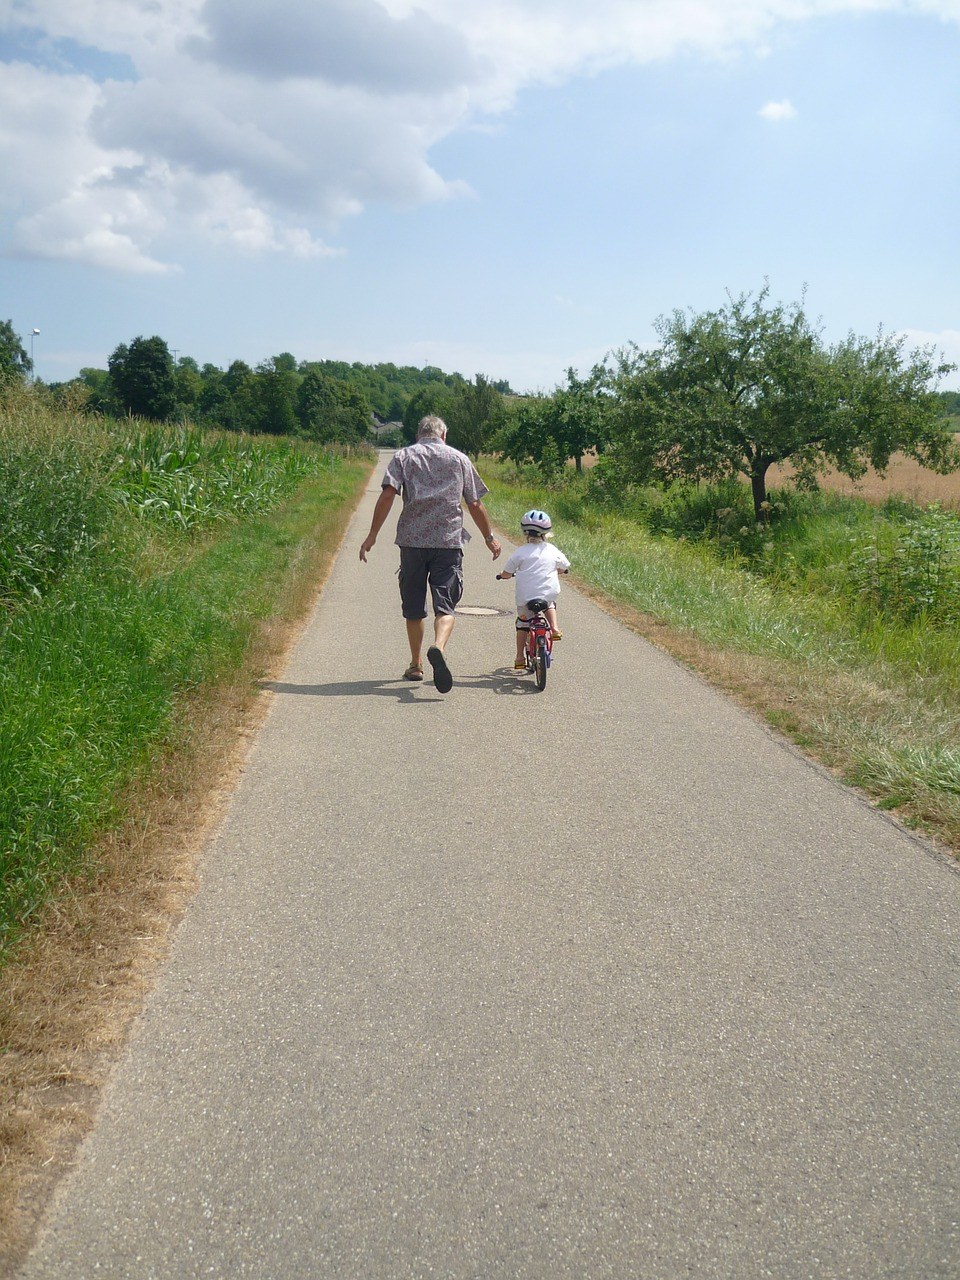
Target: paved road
600 982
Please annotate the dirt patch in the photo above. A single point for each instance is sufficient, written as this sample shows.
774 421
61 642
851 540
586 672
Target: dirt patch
69 996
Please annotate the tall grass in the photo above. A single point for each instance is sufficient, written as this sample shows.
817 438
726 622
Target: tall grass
867 682
139 565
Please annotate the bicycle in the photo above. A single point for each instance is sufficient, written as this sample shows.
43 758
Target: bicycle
538 650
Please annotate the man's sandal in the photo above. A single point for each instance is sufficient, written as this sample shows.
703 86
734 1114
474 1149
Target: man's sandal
413 673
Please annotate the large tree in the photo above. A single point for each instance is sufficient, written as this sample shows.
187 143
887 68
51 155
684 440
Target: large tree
143 378
739 389
15 364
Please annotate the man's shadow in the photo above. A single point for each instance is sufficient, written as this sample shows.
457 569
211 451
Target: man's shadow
500 682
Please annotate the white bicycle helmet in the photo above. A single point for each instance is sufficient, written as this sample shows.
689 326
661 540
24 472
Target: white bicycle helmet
536 522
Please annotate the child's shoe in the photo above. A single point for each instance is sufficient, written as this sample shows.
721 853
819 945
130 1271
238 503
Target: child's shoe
520 665
557 635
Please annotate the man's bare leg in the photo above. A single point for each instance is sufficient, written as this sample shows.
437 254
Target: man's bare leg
442 626
415 638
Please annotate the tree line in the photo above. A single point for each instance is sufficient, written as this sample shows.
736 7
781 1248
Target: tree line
328 401
728 392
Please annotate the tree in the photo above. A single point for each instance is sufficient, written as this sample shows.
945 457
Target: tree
739 389
435 398
476 412
188 383
15 364
329 409
274 397
533 433
547 430
101 397
143 379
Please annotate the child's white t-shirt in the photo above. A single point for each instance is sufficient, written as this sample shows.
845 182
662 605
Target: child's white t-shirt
535 565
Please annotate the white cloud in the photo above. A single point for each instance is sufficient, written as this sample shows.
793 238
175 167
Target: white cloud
264 127
777 111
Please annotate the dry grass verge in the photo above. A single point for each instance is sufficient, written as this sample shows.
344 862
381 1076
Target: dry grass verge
69 996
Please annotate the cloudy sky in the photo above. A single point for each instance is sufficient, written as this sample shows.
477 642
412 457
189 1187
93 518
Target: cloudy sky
499 186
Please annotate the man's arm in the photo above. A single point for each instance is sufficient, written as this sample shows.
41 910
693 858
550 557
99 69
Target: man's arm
380 513
480 518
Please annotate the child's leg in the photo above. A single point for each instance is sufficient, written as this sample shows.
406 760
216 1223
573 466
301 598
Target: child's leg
521 644
552 619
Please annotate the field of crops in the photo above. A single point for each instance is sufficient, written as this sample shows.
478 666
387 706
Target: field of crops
904 478
136 563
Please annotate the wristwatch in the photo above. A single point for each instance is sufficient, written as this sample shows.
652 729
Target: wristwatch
490 538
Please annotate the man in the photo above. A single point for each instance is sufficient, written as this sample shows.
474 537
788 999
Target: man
433 479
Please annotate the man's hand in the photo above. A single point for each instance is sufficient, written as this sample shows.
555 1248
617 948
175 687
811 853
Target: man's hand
365 546
495 548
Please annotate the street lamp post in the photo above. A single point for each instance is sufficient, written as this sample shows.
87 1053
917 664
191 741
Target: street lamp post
33 372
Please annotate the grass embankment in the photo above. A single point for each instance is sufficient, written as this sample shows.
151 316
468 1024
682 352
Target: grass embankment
135 565
839 624
148 577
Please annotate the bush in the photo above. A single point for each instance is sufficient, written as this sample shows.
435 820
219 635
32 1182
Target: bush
910 569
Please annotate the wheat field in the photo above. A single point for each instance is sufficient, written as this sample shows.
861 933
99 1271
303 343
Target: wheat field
904 478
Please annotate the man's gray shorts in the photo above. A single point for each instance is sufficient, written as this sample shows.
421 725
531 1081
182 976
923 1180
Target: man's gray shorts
440 568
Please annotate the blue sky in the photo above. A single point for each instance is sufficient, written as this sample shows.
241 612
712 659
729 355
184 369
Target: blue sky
509 187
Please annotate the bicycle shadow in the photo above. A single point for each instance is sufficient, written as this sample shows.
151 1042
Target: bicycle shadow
504 682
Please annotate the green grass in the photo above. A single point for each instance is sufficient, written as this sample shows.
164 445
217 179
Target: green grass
871 690
118 611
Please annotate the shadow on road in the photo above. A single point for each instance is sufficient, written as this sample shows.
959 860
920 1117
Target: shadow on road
403 691
505 681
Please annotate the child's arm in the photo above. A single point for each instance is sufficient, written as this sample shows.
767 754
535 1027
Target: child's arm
504 575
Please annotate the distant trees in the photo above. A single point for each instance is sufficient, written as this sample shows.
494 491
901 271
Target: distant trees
739 389
329 409
15 364
324 400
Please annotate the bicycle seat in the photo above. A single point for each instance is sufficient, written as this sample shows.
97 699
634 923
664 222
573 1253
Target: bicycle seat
537 606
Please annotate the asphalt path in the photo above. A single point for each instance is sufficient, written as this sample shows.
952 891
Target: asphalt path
601 982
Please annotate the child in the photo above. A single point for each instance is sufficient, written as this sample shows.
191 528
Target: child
537 566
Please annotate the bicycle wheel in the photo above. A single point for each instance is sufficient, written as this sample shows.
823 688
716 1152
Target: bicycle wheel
540 664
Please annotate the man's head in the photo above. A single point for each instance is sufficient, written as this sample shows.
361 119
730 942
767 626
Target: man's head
432 428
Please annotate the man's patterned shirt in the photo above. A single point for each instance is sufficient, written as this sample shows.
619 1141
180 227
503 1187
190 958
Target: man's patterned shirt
432 478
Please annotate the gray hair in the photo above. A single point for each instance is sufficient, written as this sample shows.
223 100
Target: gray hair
432 428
